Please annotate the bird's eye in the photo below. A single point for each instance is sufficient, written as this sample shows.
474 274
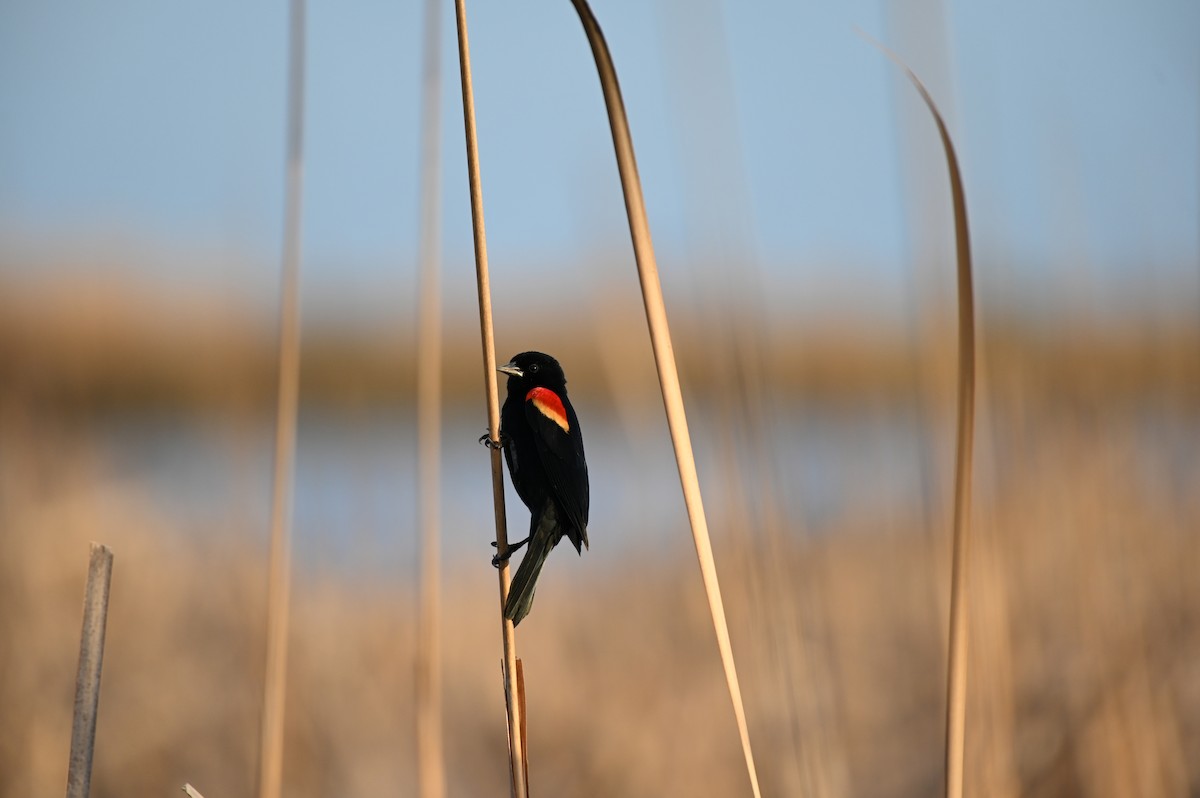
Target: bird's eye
533 369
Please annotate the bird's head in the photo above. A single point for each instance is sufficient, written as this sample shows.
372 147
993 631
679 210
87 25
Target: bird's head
534 370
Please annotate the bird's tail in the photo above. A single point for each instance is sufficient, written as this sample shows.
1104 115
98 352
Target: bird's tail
541 542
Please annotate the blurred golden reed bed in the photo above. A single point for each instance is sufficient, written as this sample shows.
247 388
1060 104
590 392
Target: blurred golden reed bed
1086 631
1085 615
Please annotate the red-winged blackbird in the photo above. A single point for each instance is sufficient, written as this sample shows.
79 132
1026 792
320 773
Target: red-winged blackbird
544 451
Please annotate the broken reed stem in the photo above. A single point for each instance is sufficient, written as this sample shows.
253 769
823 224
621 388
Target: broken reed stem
87 678
516 746
270 764
431 767
664 358
524 718
956 685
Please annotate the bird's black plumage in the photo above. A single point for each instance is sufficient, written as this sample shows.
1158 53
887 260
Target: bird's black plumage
543 447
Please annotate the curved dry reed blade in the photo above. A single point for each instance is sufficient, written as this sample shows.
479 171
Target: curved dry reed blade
956 688
664 358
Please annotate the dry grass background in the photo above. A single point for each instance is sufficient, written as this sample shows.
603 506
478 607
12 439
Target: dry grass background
1086 618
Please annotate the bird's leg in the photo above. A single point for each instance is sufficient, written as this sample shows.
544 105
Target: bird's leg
512 547
486 440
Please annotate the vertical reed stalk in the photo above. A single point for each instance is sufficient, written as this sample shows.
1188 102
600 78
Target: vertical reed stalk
956 684
87 679
431 769
270 763
664 358
516 748
956 691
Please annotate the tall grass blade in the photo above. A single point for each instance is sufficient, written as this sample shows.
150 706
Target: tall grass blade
516 746
270 762
431 766
956 687
664 358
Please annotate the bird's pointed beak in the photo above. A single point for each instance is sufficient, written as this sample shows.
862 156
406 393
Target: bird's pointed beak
511 370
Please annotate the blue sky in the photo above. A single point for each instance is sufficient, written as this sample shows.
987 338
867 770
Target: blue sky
765 130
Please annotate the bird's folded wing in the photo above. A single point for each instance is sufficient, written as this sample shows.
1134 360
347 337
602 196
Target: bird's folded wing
562 456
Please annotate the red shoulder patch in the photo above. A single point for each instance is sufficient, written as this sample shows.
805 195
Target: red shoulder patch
549 405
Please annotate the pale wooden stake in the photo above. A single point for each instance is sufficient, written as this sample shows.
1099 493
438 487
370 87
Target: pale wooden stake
87 679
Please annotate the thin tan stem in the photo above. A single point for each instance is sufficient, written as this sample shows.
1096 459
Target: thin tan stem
515 746
279 577
956 684
664 358
431 767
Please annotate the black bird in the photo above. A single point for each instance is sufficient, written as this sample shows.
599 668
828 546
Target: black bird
543 447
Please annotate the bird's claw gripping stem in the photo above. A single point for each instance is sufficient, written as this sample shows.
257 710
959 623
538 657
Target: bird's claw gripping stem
486 440
512 547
